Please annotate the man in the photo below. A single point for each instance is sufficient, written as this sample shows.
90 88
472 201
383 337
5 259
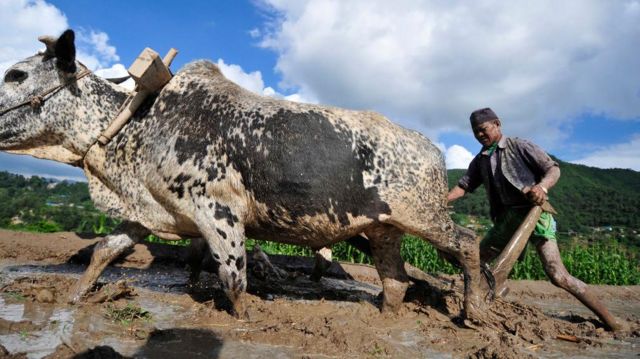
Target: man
517 174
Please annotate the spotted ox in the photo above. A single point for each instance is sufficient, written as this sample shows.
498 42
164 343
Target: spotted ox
204 157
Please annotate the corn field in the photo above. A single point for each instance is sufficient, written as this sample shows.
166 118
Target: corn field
596 263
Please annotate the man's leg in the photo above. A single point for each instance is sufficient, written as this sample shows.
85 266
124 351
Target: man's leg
559 276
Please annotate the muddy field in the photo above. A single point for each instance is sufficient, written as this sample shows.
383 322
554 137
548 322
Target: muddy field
145 309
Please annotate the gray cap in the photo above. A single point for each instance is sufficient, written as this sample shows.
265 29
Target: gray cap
482 115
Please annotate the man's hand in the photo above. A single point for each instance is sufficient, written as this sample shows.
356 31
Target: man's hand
536 194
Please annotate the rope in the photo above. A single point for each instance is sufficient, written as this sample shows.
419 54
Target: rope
37 101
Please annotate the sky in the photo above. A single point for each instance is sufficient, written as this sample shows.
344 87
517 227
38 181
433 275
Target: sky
565 75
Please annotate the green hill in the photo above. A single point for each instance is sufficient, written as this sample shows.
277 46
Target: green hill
585 197
44 205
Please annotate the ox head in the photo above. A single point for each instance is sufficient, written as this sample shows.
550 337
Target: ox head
33 119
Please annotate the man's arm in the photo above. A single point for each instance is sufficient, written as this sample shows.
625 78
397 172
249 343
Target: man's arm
550 178
455 193
470 181
541 164
538 193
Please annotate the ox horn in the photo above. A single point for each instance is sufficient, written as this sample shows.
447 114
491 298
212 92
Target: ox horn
50 42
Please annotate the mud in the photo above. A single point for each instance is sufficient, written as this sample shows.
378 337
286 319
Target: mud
288 317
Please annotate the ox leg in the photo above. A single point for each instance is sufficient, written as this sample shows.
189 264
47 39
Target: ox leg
123 237
462 244
385 242
196 255
226 239
321 263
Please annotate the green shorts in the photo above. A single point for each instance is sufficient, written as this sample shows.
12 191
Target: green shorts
507 223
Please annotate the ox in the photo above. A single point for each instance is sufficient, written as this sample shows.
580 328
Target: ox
206 158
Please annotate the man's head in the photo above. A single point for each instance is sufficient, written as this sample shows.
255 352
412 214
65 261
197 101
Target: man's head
486 126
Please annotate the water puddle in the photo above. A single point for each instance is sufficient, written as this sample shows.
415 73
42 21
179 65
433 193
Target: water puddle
160 278
11 312
57 325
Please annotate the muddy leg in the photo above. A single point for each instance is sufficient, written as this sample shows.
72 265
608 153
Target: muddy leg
559 276
321 263
385 241
123 237
461 243
224 233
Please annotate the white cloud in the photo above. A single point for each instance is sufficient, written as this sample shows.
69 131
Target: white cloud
625 155
253 82
254 33
457 156
427 64
115 71
100 42
22 22
93 49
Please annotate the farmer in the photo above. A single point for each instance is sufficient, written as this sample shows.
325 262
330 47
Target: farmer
517 174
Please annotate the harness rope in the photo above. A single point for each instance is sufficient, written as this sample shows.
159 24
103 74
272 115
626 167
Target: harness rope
38 100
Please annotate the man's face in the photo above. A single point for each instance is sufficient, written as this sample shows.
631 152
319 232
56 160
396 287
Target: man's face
487 132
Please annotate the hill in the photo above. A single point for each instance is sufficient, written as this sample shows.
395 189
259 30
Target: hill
44 205
585 197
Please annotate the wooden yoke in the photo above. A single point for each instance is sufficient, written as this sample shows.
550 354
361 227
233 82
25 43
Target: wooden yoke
150 74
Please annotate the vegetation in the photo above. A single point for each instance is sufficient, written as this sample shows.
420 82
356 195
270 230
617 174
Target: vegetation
600 262
127 314
598 222
41 205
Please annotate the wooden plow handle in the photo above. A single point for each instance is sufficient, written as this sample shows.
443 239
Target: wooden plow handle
510 254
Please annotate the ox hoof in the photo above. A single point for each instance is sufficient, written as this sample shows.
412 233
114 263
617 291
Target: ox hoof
239 308
390 311
474 309
76 294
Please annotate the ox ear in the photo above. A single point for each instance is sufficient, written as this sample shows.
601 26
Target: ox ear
65 52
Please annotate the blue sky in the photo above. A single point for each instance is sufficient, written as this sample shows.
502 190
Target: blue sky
563 75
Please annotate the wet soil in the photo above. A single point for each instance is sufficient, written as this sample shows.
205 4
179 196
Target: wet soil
289 316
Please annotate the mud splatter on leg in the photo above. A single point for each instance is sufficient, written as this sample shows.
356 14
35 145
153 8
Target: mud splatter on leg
385 243
123 237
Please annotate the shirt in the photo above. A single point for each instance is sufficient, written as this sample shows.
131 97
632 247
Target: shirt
527 160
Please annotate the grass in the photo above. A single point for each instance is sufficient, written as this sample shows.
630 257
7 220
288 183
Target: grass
125 316
594 263
14 296
155 239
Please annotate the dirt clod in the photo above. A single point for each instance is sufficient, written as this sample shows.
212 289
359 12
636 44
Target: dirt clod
45 296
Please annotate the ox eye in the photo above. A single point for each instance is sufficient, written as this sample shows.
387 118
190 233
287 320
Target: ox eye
15 76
